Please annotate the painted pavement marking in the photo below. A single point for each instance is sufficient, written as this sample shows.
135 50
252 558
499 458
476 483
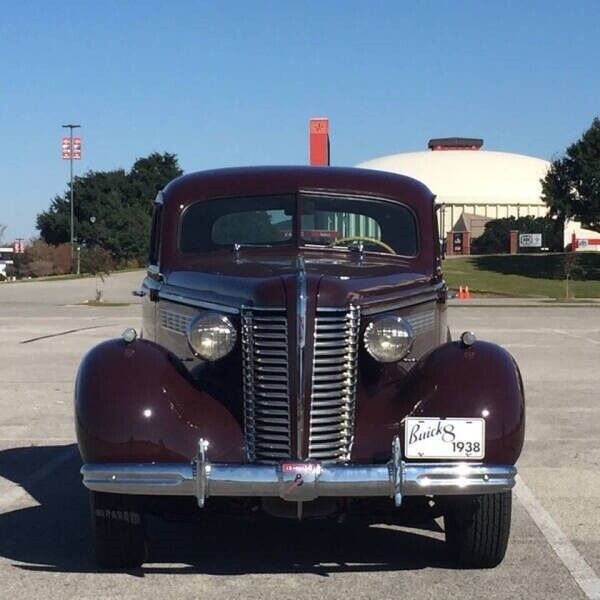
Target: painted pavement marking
584 575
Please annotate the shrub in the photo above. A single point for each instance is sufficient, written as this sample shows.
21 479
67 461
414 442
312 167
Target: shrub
41 259
496 237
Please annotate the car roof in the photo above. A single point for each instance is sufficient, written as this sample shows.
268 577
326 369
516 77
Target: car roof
229 182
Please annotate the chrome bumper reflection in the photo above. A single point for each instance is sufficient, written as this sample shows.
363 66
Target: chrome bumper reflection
298 481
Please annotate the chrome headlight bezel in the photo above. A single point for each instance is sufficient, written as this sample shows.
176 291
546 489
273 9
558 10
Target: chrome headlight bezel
393 321
210 320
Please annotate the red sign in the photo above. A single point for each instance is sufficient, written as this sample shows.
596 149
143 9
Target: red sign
318 142
65 147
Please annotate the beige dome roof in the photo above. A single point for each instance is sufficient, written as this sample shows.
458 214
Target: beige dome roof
470 176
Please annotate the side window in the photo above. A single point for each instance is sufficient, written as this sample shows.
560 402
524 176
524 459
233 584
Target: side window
155 234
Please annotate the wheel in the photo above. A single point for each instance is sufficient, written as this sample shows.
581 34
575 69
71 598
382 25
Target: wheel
477 528
118 530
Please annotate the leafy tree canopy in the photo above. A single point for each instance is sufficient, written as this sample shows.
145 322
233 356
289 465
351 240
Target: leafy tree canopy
572 186
112 209
496 237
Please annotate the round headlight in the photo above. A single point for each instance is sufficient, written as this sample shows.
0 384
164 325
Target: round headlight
388 339
211 336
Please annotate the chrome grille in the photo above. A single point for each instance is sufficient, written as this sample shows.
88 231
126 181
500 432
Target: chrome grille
175 322
422 322
266 393
334 384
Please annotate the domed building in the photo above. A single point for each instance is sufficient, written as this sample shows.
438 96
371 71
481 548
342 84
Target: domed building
473 185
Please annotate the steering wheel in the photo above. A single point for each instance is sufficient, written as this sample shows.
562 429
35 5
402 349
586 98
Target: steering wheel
370 240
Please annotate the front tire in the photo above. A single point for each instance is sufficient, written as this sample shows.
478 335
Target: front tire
118 530
478 528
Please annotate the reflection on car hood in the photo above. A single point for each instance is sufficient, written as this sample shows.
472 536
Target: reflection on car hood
236 280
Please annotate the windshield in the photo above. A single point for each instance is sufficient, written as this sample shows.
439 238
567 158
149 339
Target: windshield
340 221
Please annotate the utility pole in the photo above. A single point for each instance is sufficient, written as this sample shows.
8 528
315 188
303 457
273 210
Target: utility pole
71 155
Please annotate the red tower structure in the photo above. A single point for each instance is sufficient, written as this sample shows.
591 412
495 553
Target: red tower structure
318 142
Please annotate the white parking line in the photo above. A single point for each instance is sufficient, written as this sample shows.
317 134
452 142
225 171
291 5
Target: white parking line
572 334
17 492
584 575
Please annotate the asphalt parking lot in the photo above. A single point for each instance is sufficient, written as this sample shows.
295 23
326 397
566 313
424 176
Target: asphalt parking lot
554 550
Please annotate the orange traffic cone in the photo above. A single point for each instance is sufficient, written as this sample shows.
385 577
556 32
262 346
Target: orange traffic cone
467 295
461 294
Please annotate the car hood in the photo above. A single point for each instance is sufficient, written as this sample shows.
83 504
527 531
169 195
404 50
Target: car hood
254 280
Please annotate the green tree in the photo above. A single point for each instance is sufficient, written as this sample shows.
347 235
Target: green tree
496 237
112 208
571 189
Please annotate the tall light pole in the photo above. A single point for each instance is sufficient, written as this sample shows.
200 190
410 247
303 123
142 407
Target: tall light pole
71 126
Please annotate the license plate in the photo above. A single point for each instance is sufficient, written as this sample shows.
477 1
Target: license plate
444 438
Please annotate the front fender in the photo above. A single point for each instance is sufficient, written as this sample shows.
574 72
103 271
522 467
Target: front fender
482 380
450 381
134 403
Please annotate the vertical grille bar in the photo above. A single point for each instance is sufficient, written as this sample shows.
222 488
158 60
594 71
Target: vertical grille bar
333 395
266 392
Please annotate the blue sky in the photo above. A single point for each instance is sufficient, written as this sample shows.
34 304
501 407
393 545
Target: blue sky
234 83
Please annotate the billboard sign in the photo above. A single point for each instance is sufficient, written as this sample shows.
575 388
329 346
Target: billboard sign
457 243
530 240
66 150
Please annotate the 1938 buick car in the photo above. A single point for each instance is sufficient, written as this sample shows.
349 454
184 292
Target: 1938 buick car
295 361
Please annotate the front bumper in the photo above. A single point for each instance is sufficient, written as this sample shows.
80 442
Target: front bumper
298 481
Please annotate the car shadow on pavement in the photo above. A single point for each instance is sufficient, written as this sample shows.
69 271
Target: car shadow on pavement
55 535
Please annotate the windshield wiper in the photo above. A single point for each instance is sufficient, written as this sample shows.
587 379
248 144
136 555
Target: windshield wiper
237 247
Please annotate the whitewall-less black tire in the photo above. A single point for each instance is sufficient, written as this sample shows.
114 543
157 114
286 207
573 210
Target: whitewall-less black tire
118 530
478 528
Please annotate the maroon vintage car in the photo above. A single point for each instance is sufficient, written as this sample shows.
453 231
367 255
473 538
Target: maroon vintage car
295 362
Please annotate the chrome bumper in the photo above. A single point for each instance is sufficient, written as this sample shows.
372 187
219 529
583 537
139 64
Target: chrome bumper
298 481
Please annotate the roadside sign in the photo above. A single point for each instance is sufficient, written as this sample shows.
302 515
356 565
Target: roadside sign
76 148
457 243
530 240
66 150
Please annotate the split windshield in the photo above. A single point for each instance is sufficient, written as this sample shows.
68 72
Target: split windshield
341 221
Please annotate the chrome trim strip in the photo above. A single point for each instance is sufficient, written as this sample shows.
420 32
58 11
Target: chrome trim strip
301 301
230 310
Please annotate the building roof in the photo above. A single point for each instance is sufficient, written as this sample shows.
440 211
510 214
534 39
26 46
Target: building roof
465 176
475 224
